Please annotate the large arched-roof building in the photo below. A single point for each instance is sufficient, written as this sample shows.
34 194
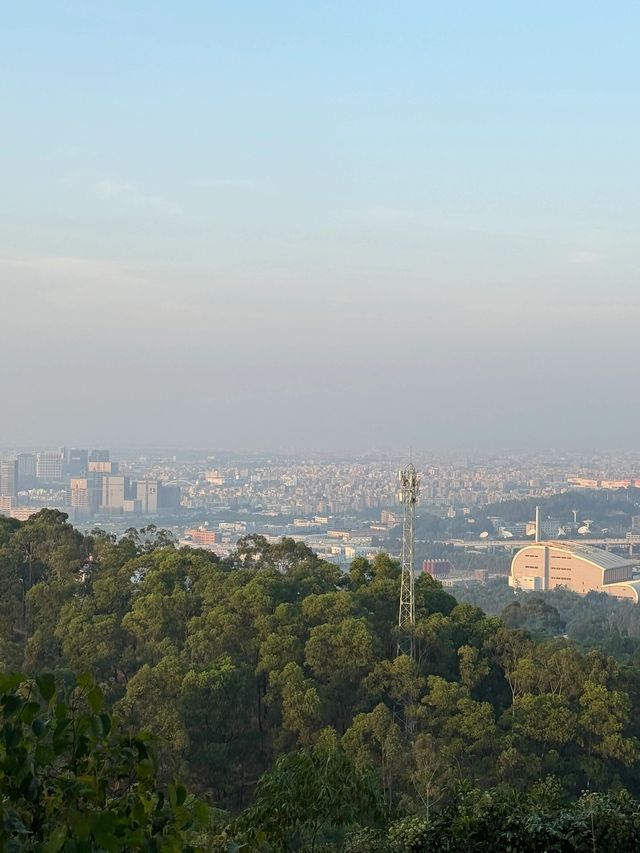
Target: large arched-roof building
580 568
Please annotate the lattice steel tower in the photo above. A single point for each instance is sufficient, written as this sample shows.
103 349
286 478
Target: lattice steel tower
409 490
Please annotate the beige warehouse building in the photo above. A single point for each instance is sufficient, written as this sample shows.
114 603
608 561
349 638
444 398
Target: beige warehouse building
580 568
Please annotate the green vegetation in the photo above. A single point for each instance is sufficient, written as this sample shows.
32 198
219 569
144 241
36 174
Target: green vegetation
612 509
596 620
270 683
611 512
72 780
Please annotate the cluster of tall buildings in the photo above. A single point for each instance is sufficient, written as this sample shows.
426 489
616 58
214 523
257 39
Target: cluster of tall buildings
90 482
43 469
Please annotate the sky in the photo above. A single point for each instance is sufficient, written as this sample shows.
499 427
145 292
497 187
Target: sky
328 225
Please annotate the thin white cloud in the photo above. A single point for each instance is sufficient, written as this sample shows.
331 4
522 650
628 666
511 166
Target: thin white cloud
223 183
73 272
584 258
400 216
134 197
110 188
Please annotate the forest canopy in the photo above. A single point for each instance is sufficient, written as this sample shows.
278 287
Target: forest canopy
272 666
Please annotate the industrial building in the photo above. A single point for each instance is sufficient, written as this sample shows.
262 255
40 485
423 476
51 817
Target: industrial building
202 537
437 568
580 568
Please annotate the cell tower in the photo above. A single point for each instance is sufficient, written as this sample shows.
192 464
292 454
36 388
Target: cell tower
409 490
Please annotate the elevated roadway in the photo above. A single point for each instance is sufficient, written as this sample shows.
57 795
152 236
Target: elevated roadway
511 545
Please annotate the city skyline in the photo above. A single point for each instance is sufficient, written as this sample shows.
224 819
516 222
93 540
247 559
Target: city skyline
472 512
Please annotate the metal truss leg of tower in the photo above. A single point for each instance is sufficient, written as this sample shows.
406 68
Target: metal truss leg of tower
409 490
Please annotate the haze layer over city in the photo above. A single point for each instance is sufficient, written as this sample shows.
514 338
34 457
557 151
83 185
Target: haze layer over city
337 227
341 506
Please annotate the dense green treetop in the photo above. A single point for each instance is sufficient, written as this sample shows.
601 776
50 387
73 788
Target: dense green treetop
234 663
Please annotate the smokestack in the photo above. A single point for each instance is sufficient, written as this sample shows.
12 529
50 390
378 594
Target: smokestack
537 524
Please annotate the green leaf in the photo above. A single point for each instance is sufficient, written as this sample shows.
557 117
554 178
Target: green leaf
46 685
85 681
11 823
56 839
95 699
12 704
38 727
146 769
11 681
29 712
105 719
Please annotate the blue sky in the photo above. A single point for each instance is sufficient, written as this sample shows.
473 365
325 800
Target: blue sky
278 217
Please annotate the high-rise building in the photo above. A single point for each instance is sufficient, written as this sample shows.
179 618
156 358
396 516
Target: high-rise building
94 482
99 456
114 489
49 466
8 478
101 466
147 494
26 470
168 497
80 496
75 461
99 470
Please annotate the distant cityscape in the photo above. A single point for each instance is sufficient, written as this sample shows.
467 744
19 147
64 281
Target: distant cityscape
83 483
341 507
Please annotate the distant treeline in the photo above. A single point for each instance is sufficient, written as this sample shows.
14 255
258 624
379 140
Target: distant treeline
612 510
596 620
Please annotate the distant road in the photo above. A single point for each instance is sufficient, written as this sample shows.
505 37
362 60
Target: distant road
513 544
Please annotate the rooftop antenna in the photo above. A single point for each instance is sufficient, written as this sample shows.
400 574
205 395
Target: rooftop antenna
409 491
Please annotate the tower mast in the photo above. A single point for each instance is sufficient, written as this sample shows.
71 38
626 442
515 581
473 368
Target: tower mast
409 490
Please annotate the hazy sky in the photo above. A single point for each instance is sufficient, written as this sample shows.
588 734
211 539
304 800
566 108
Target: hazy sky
320 224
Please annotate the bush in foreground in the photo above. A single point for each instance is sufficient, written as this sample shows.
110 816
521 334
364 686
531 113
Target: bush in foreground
71 780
